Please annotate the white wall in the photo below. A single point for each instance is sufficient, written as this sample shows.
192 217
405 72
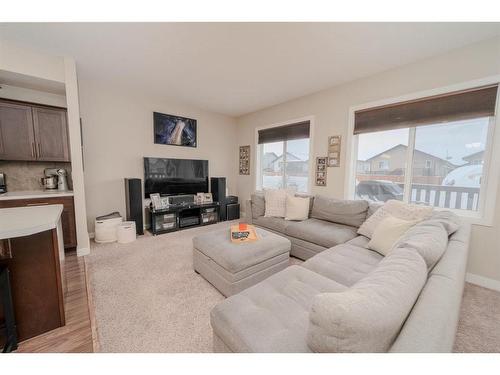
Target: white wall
118 133
330 109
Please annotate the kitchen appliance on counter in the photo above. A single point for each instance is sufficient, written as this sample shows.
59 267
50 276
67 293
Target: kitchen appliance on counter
3 183
55 178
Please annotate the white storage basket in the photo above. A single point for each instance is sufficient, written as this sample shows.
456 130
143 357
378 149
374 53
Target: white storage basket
126 232
105 230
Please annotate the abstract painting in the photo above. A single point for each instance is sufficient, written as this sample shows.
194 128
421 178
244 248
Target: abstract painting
174 130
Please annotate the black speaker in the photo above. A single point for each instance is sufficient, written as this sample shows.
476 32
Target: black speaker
218 190
133 200
233 211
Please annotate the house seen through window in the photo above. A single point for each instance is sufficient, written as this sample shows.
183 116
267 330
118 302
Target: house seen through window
437 163
284 158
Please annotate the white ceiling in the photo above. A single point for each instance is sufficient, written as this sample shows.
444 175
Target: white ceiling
237 68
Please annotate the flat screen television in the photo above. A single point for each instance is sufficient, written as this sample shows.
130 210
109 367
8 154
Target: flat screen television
175 176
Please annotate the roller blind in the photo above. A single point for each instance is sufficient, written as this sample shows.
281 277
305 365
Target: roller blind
284 133
454 106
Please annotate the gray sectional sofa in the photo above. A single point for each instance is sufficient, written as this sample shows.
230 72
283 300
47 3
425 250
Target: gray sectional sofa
346 297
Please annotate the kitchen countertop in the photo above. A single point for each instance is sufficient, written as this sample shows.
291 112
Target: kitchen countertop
25 221
28 194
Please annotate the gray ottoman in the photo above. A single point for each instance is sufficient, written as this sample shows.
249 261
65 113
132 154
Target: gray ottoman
232 267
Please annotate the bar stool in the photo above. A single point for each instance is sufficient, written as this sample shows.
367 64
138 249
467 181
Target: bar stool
8 310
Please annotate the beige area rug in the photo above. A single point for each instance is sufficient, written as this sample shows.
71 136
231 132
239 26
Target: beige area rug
147 298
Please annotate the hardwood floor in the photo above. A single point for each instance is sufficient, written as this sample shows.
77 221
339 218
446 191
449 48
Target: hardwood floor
76 335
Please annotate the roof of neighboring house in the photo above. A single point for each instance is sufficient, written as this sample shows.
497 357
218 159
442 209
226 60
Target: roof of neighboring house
289 157
473 156
405 147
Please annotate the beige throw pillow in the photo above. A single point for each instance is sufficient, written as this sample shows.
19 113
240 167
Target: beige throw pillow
387 233
297 208
275 202
401 210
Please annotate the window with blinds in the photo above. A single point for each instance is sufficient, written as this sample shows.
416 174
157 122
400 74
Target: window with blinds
284 157
429 151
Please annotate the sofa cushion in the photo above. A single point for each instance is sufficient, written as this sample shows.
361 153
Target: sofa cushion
368 316
360 241
276 224
275 202
297 208
348 212
273 315
387 234
346 264
320 232
428 238
395 208
258 204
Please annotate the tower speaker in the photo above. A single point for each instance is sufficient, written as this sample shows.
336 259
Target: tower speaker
133 200
218 189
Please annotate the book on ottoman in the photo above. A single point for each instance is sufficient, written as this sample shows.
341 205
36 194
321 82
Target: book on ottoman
243 233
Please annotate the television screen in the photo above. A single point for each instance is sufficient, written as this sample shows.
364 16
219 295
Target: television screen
175 176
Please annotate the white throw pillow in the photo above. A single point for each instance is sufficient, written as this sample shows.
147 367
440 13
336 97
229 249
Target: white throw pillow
275 202
297 208
387 233
401 210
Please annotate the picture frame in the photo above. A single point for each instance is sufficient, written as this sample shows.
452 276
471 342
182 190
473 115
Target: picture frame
173 130
321 171
334 144
244 165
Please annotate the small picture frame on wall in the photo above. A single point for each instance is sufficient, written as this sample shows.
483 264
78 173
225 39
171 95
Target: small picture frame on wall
320 173
244 160
334 143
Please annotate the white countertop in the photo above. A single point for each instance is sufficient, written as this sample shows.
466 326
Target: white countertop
25 221
29 194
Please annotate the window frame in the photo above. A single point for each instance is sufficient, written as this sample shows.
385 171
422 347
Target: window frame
257 154
491 162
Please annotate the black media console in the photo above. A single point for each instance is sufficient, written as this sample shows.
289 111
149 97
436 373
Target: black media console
181 216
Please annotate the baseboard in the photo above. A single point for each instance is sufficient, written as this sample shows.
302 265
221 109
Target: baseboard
483 281
82 251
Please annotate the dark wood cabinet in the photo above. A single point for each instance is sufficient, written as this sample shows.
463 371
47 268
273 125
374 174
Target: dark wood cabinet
32 132
36 283
17 139
67 217
51 134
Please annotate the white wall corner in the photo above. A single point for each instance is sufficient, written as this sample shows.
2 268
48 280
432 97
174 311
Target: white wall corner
483 281
75 140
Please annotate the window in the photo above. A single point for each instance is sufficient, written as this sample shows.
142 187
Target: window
284 157
436 159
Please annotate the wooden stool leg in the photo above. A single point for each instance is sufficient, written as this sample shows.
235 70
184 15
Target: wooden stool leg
10 322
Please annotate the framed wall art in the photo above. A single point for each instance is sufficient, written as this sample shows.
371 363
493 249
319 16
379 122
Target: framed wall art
334 143
174 130
245 160
320 173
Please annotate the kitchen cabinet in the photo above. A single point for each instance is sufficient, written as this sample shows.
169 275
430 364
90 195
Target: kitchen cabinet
51 134
17 139
30 238
67 216
33 133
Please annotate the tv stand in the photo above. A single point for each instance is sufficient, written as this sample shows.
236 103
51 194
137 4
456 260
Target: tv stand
183 216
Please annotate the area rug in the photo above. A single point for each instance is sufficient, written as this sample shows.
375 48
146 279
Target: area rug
147 298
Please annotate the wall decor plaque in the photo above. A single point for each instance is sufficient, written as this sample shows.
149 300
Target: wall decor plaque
334 143
245 160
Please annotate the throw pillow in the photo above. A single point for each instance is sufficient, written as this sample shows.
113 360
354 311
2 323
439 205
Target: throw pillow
387 233
297 208
401 210
275 203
